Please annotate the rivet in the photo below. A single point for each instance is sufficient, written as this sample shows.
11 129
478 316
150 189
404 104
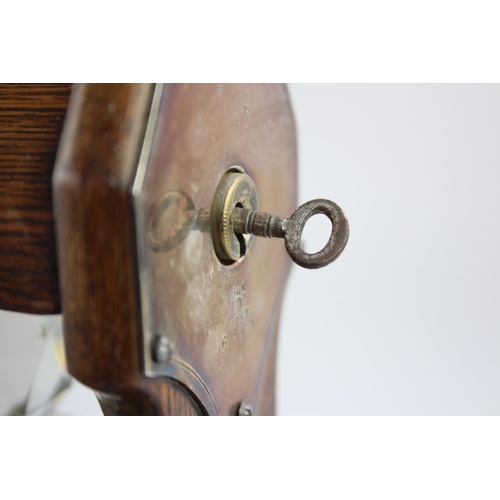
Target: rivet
161 348
245 410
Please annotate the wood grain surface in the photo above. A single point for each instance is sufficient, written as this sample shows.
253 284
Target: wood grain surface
31 119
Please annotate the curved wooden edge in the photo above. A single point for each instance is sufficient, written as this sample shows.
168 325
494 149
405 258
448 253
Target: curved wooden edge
94 170
152 397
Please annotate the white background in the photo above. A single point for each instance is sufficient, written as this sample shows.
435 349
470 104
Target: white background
407 320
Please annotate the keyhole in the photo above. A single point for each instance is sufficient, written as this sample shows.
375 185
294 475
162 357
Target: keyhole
241 237
316 233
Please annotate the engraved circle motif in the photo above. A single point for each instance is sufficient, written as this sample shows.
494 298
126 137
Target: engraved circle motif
181 226
336 243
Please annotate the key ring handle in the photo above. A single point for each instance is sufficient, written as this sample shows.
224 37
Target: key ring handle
336 243
183 223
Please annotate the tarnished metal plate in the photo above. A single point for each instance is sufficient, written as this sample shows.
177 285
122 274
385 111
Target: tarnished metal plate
219 319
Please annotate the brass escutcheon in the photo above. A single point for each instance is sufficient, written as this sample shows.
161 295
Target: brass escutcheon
236 189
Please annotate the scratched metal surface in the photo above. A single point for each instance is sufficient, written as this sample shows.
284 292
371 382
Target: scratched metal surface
220 319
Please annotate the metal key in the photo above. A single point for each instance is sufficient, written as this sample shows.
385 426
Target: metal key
268 225
233 215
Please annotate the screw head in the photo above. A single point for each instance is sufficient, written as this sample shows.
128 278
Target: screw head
245 410
161 348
